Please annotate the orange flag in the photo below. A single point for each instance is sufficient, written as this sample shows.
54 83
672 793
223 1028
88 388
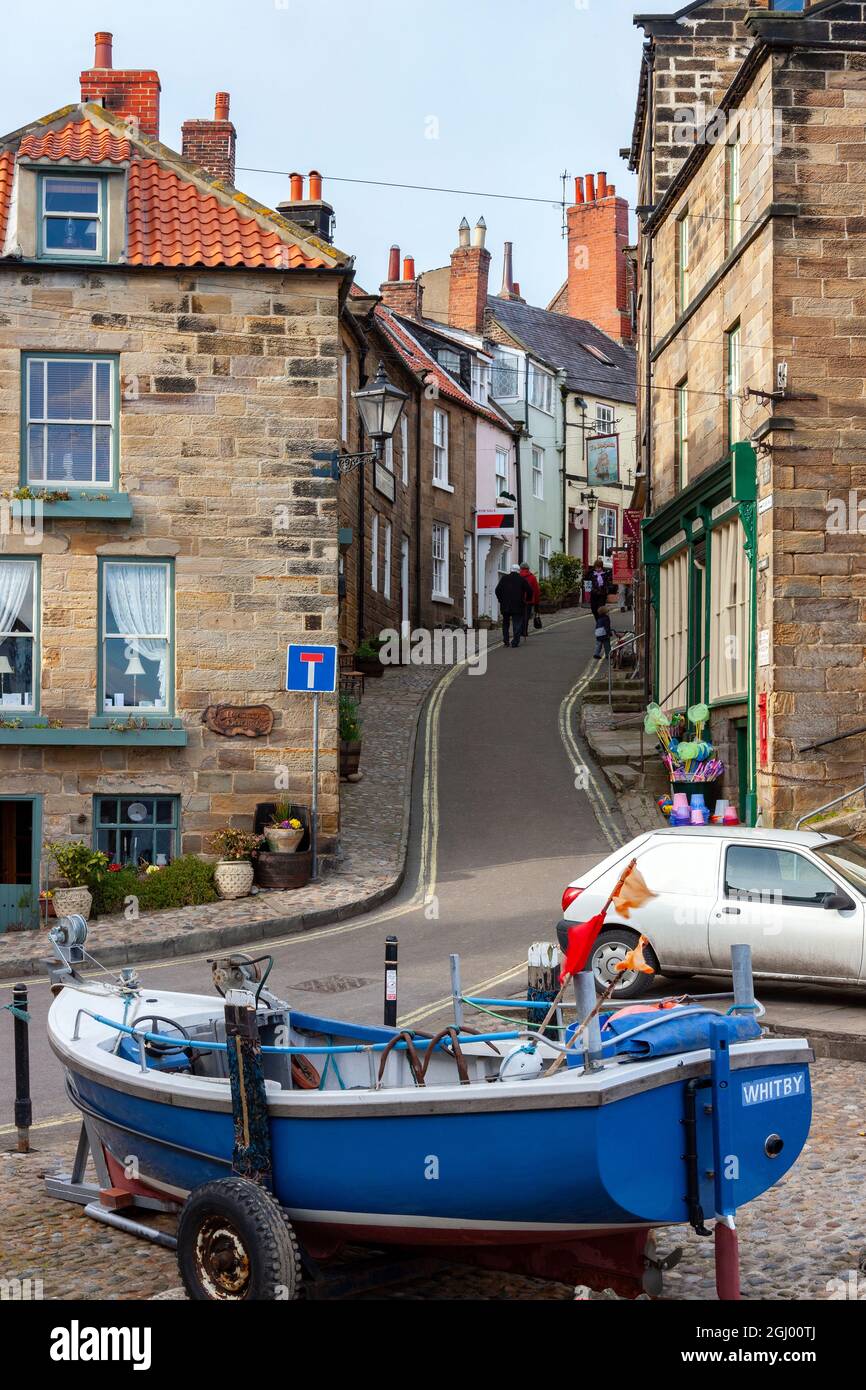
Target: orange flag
634 959
632 894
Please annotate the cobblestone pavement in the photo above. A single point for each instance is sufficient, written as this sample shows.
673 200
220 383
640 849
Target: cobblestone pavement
372 840
807 1232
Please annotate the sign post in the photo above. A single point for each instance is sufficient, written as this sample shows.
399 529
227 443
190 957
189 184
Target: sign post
312 670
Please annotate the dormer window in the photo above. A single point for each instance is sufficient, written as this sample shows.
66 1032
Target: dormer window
71 217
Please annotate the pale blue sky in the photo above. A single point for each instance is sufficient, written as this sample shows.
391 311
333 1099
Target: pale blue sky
521 90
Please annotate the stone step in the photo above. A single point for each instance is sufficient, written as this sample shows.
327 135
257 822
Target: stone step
615 746
621 776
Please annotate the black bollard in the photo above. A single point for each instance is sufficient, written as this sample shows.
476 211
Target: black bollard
390 981
23 1103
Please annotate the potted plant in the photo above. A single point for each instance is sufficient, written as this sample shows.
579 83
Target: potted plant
82 867
367 659
233 875
284 832
46 902
548 602
350 737
565 575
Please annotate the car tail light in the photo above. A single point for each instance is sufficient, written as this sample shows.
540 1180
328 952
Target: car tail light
569 896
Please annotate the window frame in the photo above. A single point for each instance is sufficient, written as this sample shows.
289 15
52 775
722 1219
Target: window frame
683 233
733 353
115 827
681 435
602 537
733 191
43 253
537 374
440 450
729 613
505 361
344 396
386 562
537 473
35 637
772 898
404 449
544 555
444 559
501 478
62 485
607 425
374 552
139 711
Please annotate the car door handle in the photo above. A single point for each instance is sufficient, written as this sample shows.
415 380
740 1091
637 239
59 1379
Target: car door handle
731 911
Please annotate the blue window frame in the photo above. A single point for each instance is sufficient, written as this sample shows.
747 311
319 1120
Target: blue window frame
136 829
787 4
136 638
69 421
72 217
19 636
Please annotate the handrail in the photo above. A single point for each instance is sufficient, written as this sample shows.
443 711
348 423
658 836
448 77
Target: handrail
837 800
835 738
629 637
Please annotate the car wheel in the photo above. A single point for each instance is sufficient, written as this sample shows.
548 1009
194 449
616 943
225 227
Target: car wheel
611 946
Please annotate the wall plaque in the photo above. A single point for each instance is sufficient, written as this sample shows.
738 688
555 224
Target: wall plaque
251 721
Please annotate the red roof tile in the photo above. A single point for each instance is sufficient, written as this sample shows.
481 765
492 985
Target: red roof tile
78 141
172 222
7 174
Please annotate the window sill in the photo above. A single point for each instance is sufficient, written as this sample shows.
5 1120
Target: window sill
444 487
157 721
155 738
442 598
118 507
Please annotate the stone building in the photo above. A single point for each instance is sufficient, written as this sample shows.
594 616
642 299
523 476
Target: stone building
749 147
169 356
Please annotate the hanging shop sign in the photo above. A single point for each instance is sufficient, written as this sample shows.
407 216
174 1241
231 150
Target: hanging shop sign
383 481
602 460
495 523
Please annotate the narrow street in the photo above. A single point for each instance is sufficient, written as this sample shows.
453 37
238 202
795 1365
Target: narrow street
498 828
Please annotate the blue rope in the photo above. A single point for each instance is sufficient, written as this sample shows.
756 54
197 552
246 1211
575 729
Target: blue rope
16 1012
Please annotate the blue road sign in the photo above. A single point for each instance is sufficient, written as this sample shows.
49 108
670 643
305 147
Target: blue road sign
310 669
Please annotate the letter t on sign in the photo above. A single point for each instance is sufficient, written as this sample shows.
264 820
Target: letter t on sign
311 660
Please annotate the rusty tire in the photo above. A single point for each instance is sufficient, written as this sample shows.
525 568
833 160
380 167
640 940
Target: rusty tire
235 1244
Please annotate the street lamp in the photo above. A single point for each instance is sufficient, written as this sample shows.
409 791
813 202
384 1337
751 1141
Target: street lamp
590 501
380 406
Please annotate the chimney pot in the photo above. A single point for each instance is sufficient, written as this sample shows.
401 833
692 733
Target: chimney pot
517 288
578 190
315 186
102 54
507 281
394 263
463 233
602 184
479 233
611 190
221 106
590 188
296 188
408 267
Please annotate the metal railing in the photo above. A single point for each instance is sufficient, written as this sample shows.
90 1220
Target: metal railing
828 805
630 639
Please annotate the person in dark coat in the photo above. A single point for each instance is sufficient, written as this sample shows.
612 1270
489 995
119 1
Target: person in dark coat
532 606
513 593
599 580
602 633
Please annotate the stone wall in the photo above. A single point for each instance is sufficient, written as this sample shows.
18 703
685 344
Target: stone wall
228 382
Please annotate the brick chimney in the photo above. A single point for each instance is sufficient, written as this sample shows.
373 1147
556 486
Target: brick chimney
402 293
312 213
132 93
470 268
598 273
211 144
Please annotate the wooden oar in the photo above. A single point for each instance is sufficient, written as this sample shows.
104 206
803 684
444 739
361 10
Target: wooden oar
558 1000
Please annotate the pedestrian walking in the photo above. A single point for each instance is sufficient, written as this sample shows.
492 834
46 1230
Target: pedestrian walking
513 593
599 581
602 633
532 615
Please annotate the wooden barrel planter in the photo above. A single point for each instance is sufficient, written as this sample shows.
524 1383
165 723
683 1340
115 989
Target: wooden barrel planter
369 667
350 757
283 870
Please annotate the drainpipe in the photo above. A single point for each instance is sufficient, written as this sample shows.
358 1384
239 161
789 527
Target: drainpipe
563 393
362 496
418 399
517 443
649 639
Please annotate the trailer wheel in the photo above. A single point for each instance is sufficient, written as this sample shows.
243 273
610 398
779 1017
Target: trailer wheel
235 1243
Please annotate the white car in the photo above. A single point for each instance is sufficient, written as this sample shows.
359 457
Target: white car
798 898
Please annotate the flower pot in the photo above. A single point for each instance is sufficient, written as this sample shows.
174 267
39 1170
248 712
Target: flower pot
350 757
369 667
233 878
283 840
72 900
283 870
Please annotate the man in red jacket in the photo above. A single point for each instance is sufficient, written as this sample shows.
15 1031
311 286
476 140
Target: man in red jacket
532 603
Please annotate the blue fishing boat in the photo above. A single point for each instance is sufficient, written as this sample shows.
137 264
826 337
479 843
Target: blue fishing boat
479 1144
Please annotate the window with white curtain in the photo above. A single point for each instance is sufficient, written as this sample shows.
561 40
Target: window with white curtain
729 612
674 629
135 671
537 473
70 418
544 557
17 634
501 471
